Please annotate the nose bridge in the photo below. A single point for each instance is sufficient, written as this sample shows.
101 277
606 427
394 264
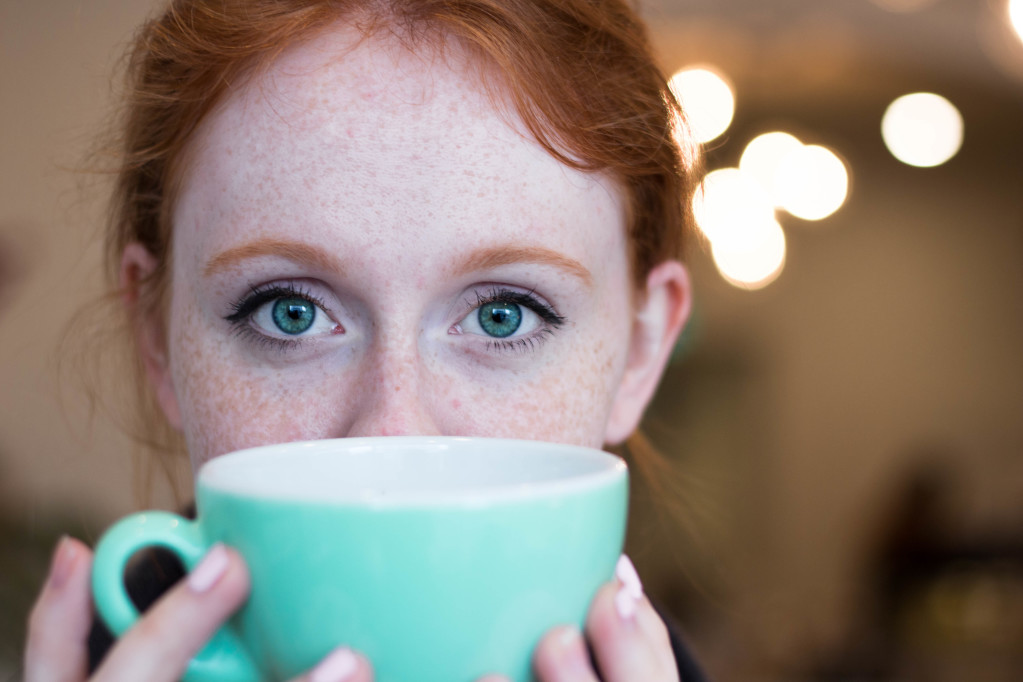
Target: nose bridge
393 400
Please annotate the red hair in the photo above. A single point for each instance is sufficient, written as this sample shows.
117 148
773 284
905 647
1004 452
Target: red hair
579 73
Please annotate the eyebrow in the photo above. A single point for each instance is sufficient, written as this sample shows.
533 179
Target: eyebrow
481 259
294 251
492 257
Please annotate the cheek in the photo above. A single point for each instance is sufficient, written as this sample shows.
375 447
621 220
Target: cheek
569 402
226 405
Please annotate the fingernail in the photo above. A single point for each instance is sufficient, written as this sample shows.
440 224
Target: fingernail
573 652
209 571
626 573
568 636
63 562
339 665
627 599
626 604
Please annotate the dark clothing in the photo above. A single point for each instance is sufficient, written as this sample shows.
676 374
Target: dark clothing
157 570
688 669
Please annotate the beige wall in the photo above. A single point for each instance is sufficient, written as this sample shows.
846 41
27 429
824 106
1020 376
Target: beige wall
56 81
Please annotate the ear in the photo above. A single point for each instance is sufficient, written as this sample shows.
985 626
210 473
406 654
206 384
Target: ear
662 311
137 268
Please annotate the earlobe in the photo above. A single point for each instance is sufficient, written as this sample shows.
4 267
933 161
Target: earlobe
137 268
662 312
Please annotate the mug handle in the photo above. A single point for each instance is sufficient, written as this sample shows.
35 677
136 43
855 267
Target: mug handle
224 658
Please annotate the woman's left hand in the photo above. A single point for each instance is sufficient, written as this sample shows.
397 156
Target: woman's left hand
630 641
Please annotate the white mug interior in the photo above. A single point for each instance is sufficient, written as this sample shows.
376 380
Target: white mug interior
400 470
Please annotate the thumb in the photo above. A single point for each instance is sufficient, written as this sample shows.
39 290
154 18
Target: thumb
340 665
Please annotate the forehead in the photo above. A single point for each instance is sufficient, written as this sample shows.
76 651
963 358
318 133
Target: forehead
362 132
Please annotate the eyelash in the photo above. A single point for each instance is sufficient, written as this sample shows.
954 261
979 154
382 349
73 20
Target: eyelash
243 309
551 319
258 296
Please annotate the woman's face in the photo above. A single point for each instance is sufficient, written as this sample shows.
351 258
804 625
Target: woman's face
364 245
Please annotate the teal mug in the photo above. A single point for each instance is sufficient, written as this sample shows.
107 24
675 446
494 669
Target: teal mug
441 559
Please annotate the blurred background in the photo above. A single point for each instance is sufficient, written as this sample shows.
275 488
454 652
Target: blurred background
844 415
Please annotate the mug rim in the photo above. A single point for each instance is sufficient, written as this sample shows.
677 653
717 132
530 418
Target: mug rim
607 468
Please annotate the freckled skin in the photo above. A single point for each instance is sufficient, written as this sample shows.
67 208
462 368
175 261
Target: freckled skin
399 184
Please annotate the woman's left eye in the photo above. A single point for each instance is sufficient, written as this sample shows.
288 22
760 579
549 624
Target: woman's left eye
509 315
500 319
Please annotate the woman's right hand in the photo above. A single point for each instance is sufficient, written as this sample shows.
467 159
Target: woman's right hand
159 647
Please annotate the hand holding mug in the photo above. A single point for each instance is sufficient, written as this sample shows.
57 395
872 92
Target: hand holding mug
628 647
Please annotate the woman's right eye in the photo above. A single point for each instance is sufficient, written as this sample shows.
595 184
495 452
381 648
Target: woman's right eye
292 316
283 313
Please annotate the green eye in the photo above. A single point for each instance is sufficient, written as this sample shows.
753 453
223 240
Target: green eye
500 318
293 315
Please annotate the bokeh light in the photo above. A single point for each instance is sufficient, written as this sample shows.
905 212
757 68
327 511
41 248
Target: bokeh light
922 129
903 5
1016 16
812 182
753 256
727 201
736 214
764 155
707 100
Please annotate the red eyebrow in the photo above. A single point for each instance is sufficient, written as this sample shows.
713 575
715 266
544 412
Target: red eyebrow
492 257
295 251
482 259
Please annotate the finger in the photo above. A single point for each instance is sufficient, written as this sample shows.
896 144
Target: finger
629 639
561 656
58 627
160 645
340 665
